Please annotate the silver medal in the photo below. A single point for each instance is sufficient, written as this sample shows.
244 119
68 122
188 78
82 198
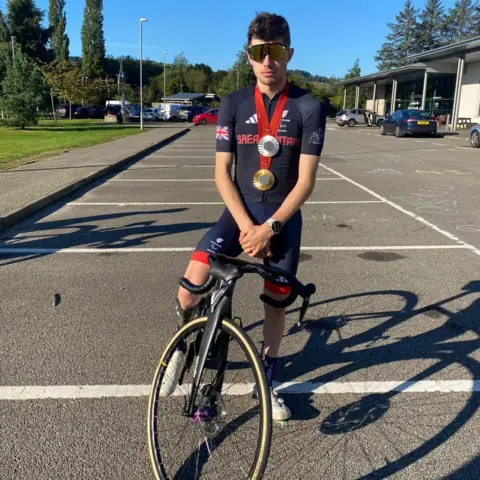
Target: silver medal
268 146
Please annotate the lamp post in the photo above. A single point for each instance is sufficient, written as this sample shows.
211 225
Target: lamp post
141 72
164 86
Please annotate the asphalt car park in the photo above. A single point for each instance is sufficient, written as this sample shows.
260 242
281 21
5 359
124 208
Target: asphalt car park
383 381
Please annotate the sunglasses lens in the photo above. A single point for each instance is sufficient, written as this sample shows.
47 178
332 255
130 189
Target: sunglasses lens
274 50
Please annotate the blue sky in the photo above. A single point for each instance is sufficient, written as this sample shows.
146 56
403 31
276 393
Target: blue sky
327 35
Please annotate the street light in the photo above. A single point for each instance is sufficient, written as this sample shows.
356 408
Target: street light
141 73
164 86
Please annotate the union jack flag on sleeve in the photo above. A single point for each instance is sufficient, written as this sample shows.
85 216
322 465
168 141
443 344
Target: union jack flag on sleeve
222 133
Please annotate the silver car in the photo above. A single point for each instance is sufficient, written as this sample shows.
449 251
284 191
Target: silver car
356 116
474 136
350 117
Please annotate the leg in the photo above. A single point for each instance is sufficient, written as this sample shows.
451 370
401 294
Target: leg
286 254
223 238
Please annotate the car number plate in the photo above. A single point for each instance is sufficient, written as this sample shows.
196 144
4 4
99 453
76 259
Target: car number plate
423 122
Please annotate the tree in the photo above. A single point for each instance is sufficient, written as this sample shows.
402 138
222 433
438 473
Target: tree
68 82
196 80
57 19
401 41
3 28
24 22
22 91
180 66
432 26
93 41
462 21
355 72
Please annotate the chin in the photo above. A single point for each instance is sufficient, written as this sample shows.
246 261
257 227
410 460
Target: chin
269 80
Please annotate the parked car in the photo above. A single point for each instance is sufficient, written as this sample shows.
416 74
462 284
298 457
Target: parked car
356 116
474 136
208 117
114 112
133 113
409 122
82 112
186 114
150 114
63 111
96 111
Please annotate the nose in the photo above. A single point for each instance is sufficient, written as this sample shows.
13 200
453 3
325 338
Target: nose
266 60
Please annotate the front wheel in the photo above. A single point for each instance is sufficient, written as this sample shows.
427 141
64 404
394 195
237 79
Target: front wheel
229 433
203 121
382 129
352 122
475 139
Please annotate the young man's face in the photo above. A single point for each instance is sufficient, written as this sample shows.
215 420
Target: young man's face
270 66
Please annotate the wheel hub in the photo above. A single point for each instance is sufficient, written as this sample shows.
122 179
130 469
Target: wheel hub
210 415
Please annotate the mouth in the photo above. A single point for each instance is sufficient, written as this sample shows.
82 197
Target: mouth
268 74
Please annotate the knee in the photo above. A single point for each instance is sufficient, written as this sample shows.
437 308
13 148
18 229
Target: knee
277 292
186 299
197 273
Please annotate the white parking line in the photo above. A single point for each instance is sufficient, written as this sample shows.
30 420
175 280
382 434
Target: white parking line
182 156
125 204
406 212
441 144
18 250
182 179
41 392
419 141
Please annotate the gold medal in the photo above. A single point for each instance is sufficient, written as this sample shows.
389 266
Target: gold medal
263 179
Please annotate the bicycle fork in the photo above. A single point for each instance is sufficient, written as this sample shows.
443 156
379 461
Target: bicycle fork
218 311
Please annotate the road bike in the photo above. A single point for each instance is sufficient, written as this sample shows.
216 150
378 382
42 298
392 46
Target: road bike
196 432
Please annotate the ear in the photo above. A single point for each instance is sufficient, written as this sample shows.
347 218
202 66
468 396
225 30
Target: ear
291 51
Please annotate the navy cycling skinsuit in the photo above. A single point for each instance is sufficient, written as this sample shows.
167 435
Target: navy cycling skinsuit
301 130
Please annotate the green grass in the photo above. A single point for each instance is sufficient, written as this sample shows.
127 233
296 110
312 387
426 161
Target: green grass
18 147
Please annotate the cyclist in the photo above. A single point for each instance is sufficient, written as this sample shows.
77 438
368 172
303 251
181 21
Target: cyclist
275 132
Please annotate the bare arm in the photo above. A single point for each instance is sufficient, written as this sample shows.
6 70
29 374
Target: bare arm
307 173
229 192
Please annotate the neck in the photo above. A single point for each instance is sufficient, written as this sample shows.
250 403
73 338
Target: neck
271 90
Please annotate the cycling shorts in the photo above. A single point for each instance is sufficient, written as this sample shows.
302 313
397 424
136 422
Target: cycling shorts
224 238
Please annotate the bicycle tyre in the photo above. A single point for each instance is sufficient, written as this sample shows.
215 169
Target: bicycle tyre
255 364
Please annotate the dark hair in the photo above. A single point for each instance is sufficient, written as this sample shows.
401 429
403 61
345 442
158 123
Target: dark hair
269 26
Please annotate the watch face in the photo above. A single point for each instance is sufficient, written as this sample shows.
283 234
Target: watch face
276 227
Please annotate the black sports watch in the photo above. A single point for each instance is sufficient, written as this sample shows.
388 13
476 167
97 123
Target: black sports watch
275 225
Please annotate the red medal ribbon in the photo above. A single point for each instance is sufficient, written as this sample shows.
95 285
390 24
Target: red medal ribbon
264 127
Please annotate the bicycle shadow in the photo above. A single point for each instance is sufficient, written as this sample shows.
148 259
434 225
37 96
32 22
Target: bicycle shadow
374 339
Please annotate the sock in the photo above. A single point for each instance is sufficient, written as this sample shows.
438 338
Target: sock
270 364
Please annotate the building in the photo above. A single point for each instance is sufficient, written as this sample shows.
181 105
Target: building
444 81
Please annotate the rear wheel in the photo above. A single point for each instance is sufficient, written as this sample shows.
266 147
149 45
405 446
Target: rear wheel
475 139
229 434
398 132
352 122
382 129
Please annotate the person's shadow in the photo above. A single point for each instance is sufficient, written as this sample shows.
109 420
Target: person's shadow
388 430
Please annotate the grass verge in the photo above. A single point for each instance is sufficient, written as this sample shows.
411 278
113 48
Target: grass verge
18 147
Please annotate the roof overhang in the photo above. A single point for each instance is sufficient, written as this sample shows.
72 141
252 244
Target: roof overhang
453 51
385 76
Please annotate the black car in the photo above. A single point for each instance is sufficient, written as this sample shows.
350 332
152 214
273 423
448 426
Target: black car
409 122
186 114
